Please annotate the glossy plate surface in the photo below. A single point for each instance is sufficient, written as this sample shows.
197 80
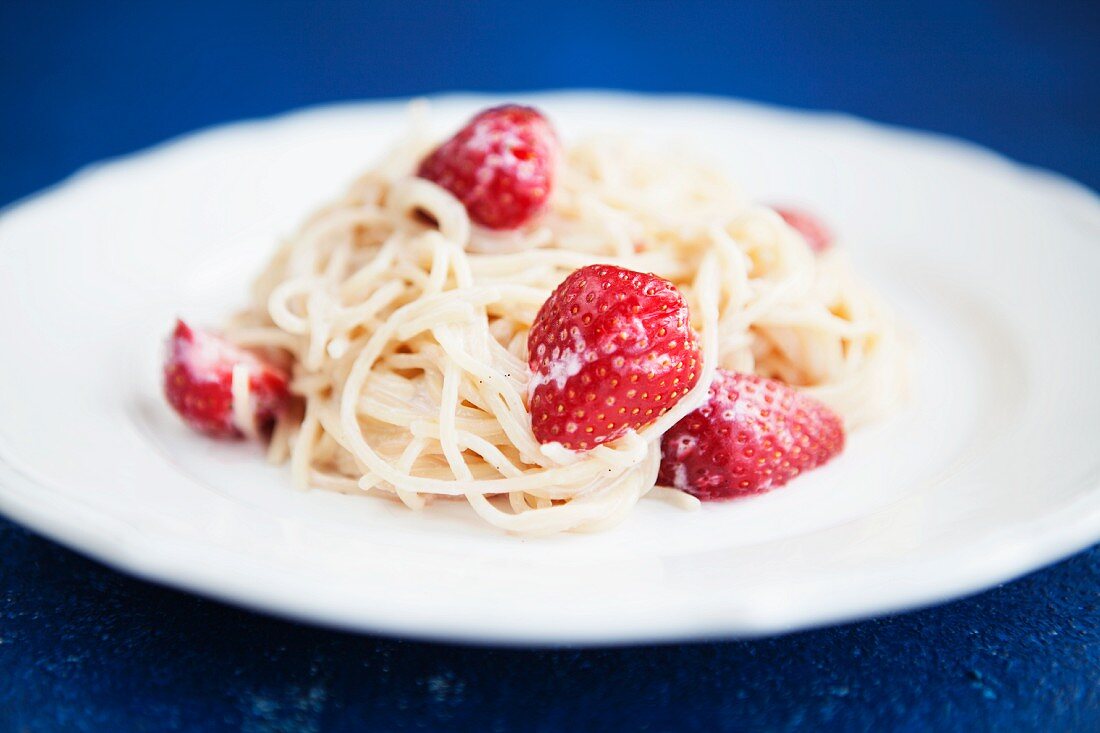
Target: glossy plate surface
992 469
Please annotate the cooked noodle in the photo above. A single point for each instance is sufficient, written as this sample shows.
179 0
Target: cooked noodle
408 330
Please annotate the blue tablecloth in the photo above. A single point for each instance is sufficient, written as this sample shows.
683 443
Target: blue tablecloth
84 648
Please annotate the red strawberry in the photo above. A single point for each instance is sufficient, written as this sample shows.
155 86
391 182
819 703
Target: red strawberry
753 434
610 350
500 165
198 378
816 234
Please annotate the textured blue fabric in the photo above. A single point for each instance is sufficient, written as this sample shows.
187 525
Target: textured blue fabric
84 648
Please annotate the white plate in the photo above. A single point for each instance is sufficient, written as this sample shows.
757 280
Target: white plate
991 471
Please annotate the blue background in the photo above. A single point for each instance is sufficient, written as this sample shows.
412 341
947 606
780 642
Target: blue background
83 648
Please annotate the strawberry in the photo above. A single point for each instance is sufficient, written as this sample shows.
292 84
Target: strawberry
610 350
198 378
500 166
752 434
816 234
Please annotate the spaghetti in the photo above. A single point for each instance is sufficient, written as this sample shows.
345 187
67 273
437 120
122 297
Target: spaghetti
407 327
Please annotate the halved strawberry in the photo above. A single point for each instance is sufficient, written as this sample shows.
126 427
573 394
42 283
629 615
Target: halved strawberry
752 434
198 381
812 229
500 166
610 350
